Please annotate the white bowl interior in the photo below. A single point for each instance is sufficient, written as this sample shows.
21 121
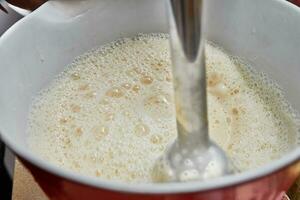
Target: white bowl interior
40 45
43 43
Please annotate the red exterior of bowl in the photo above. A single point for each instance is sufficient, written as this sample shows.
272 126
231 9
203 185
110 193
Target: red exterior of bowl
297 2
269 187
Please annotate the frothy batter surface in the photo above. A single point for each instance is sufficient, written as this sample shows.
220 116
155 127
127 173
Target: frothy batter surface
111 113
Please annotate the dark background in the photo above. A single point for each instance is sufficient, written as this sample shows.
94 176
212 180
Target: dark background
5 181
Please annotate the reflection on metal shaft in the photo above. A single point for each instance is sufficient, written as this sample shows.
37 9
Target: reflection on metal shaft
189 69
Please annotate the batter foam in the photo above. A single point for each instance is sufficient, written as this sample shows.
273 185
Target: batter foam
111 113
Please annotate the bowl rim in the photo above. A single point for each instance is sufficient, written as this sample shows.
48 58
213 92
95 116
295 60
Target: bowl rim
21 11
148 188
151 188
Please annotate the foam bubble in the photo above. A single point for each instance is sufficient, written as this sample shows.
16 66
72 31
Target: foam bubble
111 113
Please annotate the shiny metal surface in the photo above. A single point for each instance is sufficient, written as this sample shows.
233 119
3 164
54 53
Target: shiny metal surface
193 156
